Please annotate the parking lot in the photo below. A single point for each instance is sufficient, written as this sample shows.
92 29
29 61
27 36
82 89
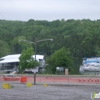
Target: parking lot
50 92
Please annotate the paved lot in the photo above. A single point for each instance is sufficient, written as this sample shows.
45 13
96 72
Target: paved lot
50 92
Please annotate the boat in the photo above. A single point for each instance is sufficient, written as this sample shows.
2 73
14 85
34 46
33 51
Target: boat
90 65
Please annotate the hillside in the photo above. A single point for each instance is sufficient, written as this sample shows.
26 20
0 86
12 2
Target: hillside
80 37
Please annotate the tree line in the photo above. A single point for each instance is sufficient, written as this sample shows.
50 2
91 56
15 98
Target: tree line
80 37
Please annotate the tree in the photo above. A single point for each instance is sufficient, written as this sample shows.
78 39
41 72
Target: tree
17 45
60 58
26 59
97 50
4 48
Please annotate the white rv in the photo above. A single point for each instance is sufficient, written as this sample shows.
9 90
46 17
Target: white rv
10 63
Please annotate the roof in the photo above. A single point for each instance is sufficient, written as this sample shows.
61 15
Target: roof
11 56
90 60
15 58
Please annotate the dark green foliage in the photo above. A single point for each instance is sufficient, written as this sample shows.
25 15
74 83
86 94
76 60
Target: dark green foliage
82 37
4 48
60 58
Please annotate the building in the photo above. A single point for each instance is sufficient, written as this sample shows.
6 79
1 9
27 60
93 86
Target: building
10 62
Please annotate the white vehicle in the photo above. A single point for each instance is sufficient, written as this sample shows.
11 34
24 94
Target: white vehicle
35 70
90 65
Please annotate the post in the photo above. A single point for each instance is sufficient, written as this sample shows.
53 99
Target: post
35 50
35 64
34 78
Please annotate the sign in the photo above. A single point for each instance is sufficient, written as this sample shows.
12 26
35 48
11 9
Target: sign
95 95
11 78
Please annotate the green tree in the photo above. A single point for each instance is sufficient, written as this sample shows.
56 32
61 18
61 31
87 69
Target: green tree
97 50
4 48
17 45
60 58
26 59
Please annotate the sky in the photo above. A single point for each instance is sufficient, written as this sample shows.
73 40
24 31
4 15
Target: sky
24 10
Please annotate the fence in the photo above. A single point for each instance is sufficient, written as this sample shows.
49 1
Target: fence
65 80
71 80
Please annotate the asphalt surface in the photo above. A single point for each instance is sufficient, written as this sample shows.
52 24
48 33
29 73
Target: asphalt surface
49 92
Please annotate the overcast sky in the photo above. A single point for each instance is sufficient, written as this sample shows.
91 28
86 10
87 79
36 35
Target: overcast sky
24 10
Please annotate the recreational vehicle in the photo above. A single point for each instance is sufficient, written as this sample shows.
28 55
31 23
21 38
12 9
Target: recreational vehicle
10 63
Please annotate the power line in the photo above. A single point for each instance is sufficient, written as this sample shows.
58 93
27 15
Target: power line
2 15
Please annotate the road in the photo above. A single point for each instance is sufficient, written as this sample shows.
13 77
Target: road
50 92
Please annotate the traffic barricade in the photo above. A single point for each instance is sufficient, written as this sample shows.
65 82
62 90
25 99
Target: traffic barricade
23 79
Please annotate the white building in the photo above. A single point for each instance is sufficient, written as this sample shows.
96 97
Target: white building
10 62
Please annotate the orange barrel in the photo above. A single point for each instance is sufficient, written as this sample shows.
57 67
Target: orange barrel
23 79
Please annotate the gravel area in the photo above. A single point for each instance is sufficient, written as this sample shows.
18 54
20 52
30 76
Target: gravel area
50 92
